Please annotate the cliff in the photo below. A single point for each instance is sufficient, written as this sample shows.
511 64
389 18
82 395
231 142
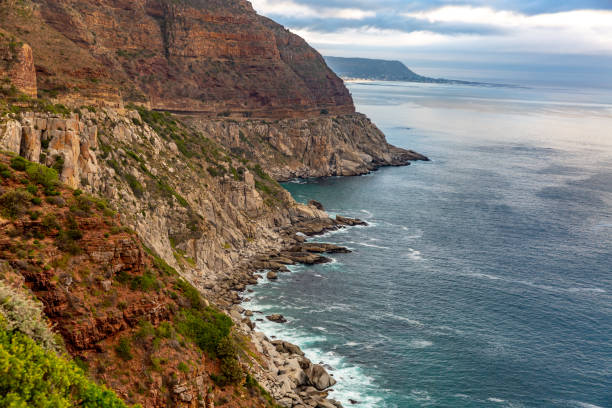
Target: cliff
129 319
206 60
345 145
210 57
17 72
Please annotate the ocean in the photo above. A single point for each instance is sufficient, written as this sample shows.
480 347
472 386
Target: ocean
484 277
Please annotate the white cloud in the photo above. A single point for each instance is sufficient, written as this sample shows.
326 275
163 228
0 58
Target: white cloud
582 31
289 8
375 37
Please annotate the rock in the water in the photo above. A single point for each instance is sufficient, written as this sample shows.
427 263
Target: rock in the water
272 275
316 204
351 222
276 318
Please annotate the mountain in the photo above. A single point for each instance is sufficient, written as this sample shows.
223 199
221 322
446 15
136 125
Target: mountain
205 56
142 143
381 70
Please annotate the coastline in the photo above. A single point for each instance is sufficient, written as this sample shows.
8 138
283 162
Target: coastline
286 373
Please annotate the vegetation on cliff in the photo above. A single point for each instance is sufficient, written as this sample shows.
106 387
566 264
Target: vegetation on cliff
34 377
111 299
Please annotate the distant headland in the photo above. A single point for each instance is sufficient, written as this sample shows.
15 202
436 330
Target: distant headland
385 70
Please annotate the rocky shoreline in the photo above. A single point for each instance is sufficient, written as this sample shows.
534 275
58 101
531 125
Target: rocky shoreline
291 378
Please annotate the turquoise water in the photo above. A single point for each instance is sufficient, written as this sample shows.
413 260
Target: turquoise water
485 276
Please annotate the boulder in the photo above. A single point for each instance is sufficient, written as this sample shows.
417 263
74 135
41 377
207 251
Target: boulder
287 348
272 275
276 318
319 378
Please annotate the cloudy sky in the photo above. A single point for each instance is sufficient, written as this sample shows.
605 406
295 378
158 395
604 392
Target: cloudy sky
553 41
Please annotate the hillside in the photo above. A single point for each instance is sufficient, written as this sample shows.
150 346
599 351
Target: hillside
375 69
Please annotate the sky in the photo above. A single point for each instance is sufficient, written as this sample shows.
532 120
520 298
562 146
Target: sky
520 41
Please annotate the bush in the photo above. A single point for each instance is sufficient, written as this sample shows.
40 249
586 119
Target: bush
19 163
49 222
14 203
124 349
206 327
135 185
190 293
32 189
34 377
26 316
44 176
67 239
5 171
144 283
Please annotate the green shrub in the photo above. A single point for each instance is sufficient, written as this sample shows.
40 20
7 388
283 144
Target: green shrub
44 176
183 367
206 327
32 189
67 238
36 378
165 331
124 349
83 204
49 222
5 171
26 316
135 185
14 203
58 164
19 163
145 283
190 293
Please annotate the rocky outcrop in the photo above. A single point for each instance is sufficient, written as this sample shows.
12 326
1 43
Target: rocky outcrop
17 65
10 136
345 145
297 381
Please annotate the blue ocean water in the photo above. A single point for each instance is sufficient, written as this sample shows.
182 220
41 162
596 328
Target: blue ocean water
484 278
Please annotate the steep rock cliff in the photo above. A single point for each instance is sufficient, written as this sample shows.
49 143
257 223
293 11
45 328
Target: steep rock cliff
204 56
345 145
17 72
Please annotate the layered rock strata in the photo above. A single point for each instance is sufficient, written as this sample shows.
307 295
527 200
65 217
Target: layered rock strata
211 57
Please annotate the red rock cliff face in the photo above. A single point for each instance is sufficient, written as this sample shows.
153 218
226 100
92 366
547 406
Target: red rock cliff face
199 56
17 65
